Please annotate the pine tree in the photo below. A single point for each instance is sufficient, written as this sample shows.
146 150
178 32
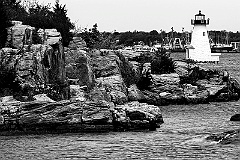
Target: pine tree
62 22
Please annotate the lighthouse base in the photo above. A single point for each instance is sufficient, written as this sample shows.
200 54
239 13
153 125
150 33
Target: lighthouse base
202 57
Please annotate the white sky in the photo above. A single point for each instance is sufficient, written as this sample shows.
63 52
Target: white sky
147 15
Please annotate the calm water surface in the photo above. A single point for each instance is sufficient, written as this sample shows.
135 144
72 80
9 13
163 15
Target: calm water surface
180 137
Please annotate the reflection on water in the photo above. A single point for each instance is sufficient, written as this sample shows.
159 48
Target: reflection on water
182 136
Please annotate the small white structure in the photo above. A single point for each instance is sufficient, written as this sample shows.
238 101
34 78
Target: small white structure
200 50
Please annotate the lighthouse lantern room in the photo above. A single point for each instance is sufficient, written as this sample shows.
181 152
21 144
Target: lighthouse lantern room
199 49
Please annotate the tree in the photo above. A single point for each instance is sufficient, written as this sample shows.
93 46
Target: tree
92 37
39 16
4 24
9 10
62 23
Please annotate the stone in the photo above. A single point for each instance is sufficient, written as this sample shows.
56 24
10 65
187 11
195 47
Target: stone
118 97
52 36
77 93
163 79
99 93
42 98
135 115
228 137
7 99
212 87
134 94
96 115
113 83
19 35
105 66
235 117
78 67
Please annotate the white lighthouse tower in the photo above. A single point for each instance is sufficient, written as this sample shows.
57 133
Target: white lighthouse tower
200 50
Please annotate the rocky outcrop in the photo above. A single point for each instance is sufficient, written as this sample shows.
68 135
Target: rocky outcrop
75 116
78 67
78 63
36 68
135 115
19 35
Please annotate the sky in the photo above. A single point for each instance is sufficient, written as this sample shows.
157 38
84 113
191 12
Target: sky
148 15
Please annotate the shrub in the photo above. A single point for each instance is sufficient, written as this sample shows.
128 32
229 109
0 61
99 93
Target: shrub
162 63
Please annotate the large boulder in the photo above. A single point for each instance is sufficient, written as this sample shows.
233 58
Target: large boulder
115 87
52 36
235 117
113 83
195 95
165 79
105 66
135 115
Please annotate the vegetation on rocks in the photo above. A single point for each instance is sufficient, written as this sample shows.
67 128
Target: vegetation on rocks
36 15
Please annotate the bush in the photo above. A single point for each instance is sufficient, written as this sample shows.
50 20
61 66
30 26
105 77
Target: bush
162 63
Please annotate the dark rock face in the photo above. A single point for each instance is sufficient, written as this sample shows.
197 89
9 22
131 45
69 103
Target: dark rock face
235 117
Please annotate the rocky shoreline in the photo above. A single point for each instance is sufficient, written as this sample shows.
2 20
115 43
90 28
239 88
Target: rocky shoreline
50 88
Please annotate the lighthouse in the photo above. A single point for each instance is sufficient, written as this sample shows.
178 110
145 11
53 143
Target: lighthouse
199 50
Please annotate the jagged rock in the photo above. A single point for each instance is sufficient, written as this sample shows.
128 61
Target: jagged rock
105 66
19 35
52 36
99 93
35 66
96 115
42 98
212 87
137 115
77 92
235 86
227 137
136 68
134 94
118 97
166 88
113 83
78 67
235 117
164 79
194 95
8 99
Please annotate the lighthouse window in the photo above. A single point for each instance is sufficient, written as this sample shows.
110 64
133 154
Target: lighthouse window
203 33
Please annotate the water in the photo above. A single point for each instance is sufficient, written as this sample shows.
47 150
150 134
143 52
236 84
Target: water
182 136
